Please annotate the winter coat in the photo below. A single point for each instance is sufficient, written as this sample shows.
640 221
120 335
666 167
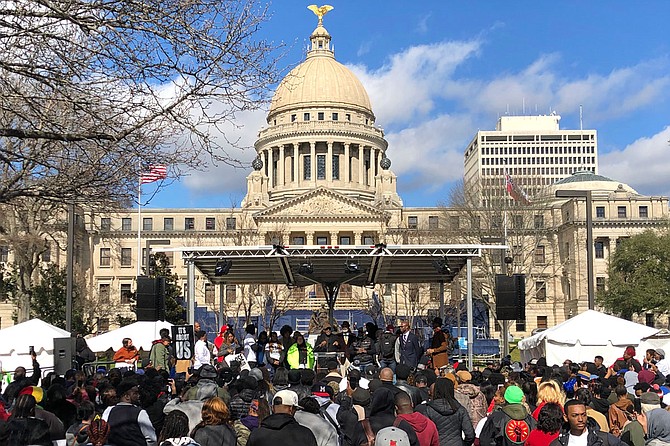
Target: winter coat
281 429
425 428
215 435
473 400
440 348
493 431
382 414
324 432
594 438
453 424
293 357
239 405
207 385
410 390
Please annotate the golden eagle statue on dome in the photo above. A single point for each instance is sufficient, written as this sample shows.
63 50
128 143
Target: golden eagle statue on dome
320 11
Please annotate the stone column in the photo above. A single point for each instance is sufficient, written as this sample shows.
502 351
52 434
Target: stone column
282 162
309 237
361 164
333 238
270 167
357 237
312 164
329 162
346 177
296 164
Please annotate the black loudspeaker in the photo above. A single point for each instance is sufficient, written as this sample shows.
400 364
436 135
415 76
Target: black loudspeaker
64 351
150 299
510 297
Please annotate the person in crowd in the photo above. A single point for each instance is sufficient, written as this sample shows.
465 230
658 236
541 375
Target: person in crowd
347 338
57 403
577 427
175 430
402 374
382 414
630 363
260 350
228 348
599 367
326 342
219 340
56 426
656 427
258 411
549 422
386 378
128 423
453 423
470 397
362 350
280 379
323 394
425 428
250 345
548 392
439 345
215 428
511 417
273 352
23 427
661 365
312 417
77 433
21 380
597 401
160 355
584 395
409 347
201 355
127 355
301 354
206 384
386 348
248 390
281 428
621 412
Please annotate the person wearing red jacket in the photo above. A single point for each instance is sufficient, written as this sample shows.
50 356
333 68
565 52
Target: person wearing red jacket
425 429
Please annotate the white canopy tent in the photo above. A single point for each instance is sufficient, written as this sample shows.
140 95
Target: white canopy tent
15 342
657 340
584 336
142 333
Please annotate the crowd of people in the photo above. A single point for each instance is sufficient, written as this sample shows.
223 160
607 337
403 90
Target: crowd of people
363 388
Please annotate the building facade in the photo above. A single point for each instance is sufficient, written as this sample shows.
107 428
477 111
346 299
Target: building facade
322 177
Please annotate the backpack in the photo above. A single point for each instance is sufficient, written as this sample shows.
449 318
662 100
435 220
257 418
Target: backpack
515 432
327 417
387 346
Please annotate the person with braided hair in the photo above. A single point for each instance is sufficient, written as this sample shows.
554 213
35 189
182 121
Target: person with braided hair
98 432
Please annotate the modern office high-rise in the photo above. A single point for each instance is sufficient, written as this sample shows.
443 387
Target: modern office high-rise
533 150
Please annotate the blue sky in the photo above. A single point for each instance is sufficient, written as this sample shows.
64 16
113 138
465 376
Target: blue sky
438 71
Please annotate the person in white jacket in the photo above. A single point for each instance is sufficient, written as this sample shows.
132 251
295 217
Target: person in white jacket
201 354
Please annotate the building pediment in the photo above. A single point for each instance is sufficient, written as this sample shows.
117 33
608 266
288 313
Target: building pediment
322 204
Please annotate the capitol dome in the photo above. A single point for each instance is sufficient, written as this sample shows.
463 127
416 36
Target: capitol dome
320 81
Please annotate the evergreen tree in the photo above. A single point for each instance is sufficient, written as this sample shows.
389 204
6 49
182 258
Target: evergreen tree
175 311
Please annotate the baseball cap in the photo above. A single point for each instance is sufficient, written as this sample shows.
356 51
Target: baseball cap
514 395
322 389
286 398
391 436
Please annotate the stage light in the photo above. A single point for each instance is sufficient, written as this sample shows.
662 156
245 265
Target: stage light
222 267
352 267
306 268
442 267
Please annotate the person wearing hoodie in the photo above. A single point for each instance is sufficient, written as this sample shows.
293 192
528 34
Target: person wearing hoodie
281 428
215 428
311 417
511 417
656 426
239 404
425 429
207 375
175 431
382 414
453 423
579 430
470 397
191 407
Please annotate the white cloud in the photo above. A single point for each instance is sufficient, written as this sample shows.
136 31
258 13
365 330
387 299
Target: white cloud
643 164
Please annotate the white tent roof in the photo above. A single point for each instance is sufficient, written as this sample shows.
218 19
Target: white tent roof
142 333
18 338
579 337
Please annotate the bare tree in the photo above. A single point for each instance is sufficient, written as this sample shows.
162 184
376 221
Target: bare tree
91 92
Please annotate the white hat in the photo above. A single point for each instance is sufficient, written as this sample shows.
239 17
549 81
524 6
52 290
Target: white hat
389 436
286 398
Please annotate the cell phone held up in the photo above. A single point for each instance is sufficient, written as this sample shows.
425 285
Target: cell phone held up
31 350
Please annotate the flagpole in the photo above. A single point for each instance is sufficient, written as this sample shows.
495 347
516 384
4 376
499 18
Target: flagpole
139 225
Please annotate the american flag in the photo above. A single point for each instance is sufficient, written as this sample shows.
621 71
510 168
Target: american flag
156 172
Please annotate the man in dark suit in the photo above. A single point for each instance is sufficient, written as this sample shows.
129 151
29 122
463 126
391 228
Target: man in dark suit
347 338
409 346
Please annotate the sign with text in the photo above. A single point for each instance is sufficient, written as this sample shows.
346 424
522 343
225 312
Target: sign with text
183 341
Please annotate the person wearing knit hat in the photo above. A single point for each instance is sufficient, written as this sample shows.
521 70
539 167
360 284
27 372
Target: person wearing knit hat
35 391
629 358
513 420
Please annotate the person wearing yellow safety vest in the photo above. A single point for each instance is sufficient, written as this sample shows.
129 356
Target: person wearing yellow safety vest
300 355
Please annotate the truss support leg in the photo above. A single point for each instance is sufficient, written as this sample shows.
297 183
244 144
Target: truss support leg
331 290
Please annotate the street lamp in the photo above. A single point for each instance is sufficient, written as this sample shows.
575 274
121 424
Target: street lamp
589 237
